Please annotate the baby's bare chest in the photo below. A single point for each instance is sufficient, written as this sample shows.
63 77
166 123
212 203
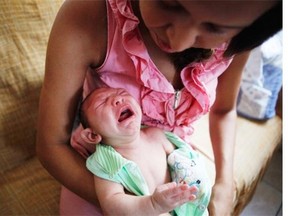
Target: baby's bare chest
154 168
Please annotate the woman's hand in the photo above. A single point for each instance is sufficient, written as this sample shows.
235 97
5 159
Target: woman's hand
221 202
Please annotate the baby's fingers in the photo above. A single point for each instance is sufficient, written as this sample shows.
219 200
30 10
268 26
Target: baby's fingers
166 187
183 193
180 193
169 196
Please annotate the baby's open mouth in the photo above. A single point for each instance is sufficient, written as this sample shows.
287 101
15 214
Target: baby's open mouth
127 113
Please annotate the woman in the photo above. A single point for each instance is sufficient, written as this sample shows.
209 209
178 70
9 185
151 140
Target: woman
176 57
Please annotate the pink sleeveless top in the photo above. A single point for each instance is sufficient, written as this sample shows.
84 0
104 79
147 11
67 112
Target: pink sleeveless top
129 66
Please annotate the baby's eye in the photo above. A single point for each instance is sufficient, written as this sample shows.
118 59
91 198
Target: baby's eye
99 103
123 92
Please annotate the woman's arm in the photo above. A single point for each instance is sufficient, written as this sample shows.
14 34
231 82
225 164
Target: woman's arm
222 126
165 198
75 45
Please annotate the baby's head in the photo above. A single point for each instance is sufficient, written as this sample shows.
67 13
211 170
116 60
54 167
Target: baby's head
109 114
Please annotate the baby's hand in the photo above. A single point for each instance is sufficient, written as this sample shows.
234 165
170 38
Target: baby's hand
168 196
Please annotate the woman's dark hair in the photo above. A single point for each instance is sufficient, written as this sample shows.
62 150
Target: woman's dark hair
254 35
181 59
250 37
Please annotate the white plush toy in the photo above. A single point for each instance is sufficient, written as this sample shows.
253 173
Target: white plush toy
188 167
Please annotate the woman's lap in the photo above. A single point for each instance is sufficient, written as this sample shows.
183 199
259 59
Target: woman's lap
71 204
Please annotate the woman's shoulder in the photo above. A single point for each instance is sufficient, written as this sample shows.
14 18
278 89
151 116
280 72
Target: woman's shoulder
86 11
83 25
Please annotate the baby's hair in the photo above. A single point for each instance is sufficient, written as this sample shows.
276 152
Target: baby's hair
82 116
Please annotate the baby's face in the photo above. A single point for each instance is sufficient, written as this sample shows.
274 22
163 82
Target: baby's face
113 113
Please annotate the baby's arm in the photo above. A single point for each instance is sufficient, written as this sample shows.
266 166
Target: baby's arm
114 201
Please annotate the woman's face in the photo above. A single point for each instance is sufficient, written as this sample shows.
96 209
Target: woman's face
176 25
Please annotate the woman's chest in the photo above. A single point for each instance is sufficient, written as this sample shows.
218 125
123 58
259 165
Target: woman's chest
166 67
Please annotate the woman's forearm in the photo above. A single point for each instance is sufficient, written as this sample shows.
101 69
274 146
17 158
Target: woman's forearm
222 121
222 132
68 167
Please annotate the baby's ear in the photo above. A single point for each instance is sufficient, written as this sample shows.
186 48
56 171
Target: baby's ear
90 137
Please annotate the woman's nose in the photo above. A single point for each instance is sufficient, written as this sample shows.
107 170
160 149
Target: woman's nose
182 37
